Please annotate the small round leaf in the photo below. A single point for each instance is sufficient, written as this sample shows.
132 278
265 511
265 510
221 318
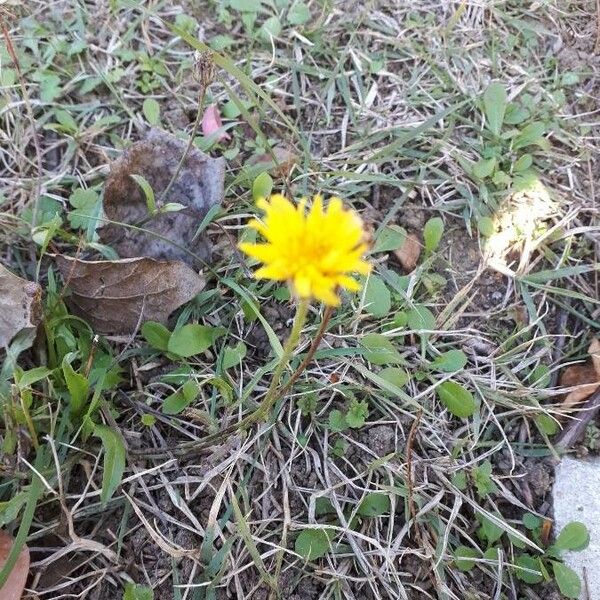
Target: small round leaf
312 544
262 186
568 581
573 536
458 400
463 558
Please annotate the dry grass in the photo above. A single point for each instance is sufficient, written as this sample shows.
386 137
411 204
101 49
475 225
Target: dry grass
380 101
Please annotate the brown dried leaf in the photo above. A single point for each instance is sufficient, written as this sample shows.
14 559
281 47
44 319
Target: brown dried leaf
20 305
408 254
586 377
15 584
112 295
198 187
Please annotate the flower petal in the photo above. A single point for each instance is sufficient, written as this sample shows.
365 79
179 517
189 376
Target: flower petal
316 250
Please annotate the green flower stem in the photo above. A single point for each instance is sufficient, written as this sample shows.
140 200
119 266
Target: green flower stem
274 392
262 412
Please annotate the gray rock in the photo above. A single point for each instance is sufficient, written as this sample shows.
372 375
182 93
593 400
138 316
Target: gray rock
577 498
172 235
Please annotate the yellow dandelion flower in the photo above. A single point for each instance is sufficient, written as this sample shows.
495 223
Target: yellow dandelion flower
314 250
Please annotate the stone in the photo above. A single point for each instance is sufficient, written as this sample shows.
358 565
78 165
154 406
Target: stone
577 498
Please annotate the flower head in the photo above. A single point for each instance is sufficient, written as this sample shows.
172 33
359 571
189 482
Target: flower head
314 250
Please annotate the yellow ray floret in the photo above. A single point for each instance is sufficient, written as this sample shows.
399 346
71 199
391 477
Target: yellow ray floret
316 251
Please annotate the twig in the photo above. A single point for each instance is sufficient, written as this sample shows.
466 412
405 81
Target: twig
561 324
206 74
576 427
409 479
90 360
30 116
597 46
586 585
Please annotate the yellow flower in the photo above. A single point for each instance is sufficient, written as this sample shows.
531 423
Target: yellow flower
314 250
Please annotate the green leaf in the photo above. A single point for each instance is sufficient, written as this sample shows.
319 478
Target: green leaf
282 293
379 350
489 531
222 386
172 207
450 362
323 506
573 536
527 180
459 480
298 14
181 399
395 376
193 339
494 104
523 163
530 135
484 167
231 110
337 421
458 400
567 580
516 541
66 119
262 186
501 179
307 404
528 563
151 110
540 377
485 225
87 208
8 77
10 509
546 424
378 299
49 87
271 28
420 318
569 78
339 448
463 558
220 42
245 5
114 460
432 234
148 420
33 376
492 554
186 23
135 591
357 413
78 386
515 114
390 238
233 355
156 334
482 477
148 192
531 521
374 505
312 544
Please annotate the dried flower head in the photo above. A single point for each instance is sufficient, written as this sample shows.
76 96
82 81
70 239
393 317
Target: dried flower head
204 68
